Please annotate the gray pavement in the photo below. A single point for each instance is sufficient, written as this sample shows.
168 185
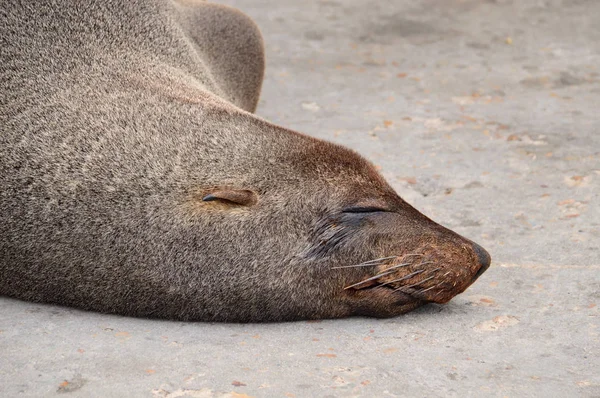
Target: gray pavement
484 114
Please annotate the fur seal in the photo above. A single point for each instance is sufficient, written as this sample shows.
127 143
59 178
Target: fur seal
136 180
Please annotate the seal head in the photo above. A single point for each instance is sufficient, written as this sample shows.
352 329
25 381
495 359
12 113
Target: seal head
334 239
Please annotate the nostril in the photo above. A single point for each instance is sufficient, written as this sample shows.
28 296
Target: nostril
484 260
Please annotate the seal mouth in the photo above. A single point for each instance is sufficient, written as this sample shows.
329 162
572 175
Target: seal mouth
420 278
415 295
408 294
405 280
390 273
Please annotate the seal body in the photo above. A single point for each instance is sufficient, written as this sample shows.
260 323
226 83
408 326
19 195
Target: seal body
135 179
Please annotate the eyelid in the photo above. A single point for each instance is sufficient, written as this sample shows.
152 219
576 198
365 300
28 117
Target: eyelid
363 209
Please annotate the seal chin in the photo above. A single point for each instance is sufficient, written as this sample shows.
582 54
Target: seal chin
381 302
405 308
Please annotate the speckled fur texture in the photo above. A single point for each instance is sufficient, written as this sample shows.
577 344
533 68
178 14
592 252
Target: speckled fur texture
118 117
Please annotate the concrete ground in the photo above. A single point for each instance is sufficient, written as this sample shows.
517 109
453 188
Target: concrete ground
481 113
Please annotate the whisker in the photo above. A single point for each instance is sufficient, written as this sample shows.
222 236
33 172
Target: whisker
380 259
418 283
415 284
398 266
369 263
429 288
425 263
404 277
369 279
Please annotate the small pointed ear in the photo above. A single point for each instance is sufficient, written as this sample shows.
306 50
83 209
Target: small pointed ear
241 197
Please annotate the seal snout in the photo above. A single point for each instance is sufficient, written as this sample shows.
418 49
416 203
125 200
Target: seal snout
484 259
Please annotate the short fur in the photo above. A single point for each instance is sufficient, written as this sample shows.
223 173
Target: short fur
119 117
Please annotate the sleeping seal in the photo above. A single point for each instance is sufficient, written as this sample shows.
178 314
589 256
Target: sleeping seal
135 179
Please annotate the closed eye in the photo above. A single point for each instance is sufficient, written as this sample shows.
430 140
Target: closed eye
363 209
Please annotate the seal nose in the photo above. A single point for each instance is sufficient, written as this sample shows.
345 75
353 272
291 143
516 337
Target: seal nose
484 260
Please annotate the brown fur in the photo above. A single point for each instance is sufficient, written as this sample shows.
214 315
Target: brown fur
120 119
